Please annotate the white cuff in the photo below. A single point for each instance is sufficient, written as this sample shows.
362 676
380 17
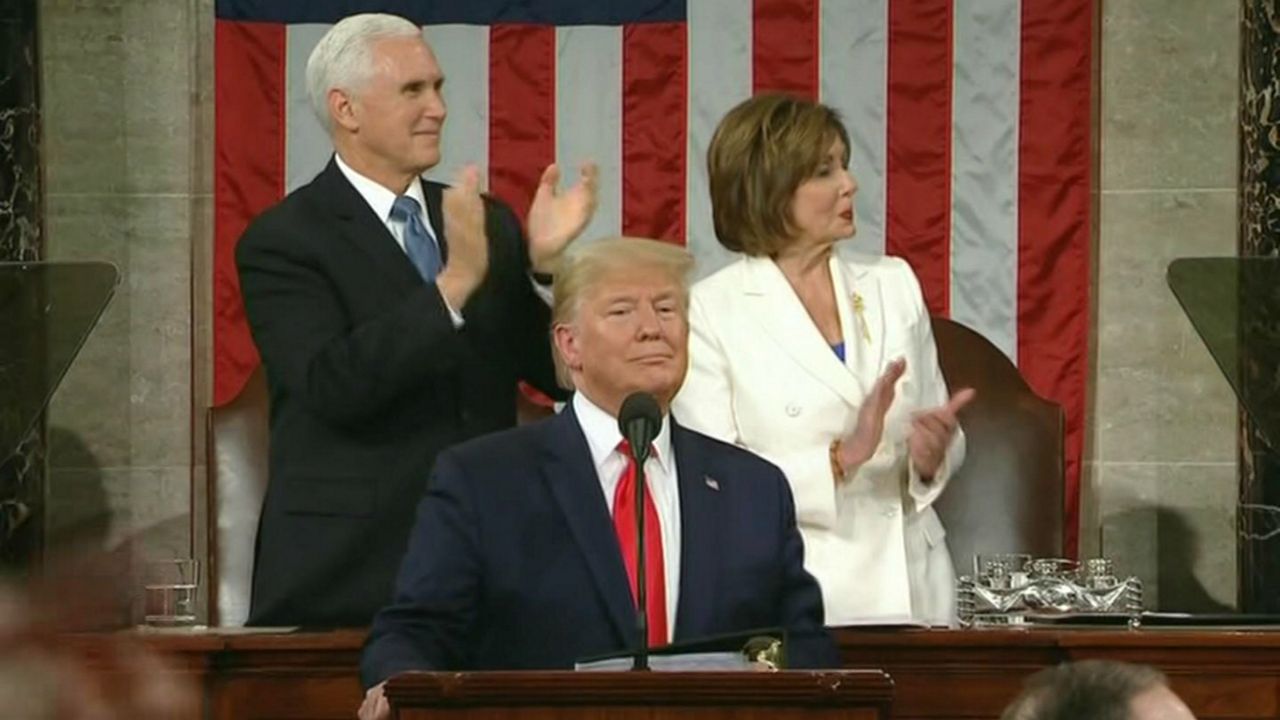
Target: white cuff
454 315
543 291
924 493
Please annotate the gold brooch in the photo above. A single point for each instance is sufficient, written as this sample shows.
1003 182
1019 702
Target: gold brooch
858 308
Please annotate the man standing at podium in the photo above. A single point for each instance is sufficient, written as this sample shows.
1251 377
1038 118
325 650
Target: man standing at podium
394 317
521 555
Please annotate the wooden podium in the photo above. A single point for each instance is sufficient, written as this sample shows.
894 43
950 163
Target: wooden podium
848 695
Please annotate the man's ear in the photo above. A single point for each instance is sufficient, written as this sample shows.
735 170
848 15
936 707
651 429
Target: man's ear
565 339
342 109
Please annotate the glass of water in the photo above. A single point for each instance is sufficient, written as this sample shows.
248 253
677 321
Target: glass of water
171 590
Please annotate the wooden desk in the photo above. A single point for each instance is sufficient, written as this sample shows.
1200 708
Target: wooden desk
798 695
974 674
936 673
301 676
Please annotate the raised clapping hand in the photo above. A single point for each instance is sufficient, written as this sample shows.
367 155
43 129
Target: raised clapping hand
463 210
858 447
931 433
555 218
931 430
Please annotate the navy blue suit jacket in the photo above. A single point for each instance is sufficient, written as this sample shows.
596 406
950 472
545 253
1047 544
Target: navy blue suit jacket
514 564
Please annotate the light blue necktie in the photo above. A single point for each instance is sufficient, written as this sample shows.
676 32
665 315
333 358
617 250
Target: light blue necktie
418 243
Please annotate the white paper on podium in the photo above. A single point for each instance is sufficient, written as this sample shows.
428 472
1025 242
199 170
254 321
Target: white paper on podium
687 662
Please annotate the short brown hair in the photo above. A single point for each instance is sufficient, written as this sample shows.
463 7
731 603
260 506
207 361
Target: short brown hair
760 154
1094 689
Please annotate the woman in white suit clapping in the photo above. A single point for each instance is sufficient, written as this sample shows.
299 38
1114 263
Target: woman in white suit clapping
823 362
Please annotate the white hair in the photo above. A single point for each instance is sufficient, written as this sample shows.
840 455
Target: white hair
343 58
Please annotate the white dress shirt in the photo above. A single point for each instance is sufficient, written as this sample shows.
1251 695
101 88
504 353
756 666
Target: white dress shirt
601 430
381 200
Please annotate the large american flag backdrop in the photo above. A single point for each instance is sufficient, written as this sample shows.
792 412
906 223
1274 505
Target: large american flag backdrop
969 119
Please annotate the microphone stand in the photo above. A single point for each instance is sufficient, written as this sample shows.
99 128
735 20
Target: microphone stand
639 421
641 661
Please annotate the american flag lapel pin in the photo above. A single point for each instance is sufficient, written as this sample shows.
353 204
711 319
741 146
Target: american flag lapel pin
711 482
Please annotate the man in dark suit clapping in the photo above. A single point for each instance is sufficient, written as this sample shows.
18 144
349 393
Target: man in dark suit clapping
523 553
394 317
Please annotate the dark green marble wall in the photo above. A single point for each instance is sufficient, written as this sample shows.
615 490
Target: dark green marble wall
1259 212
21 238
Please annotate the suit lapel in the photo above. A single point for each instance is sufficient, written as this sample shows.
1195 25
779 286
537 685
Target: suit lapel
568 470
854 283
362 228
783 318
700 533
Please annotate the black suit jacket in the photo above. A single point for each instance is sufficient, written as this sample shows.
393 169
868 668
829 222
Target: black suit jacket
369 381
514 562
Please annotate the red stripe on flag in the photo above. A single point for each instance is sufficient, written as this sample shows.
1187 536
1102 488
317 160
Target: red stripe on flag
654 128
918 147
248 178
784 51
522 110
1054 158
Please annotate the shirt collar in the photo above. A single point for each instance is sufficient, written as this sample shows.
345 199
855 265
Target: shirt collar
378 197
603 436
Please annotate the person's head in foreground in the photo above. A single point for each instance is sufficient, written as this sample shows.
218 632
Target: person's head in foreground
1097 690
58 663
620 319
778 168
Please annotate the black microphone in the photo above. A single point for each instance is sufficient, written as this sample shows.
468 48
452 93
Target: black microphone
639 421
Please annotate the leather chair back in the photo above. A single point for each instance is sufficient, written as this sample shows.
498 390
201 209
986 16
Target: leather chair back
1008 495
238 481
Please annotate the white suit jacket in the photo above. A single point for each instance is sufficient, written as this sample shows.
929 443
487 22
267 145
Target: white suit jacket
762 376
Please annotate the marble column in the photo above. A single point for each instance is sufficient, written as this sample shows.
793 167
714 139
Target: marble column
1259 216
22 473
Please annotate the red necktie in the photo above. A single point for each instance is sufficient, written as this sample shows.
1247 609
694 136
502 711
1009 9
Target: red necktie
624 522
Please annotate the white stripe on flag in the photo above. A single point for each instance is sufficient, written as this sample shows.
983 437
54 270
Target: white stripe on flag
463 54
853 72
589 117
306 147
719 41
984 219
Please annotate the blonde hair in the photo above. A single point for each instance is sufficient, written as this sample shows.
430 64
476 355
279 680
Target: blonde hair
583 266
